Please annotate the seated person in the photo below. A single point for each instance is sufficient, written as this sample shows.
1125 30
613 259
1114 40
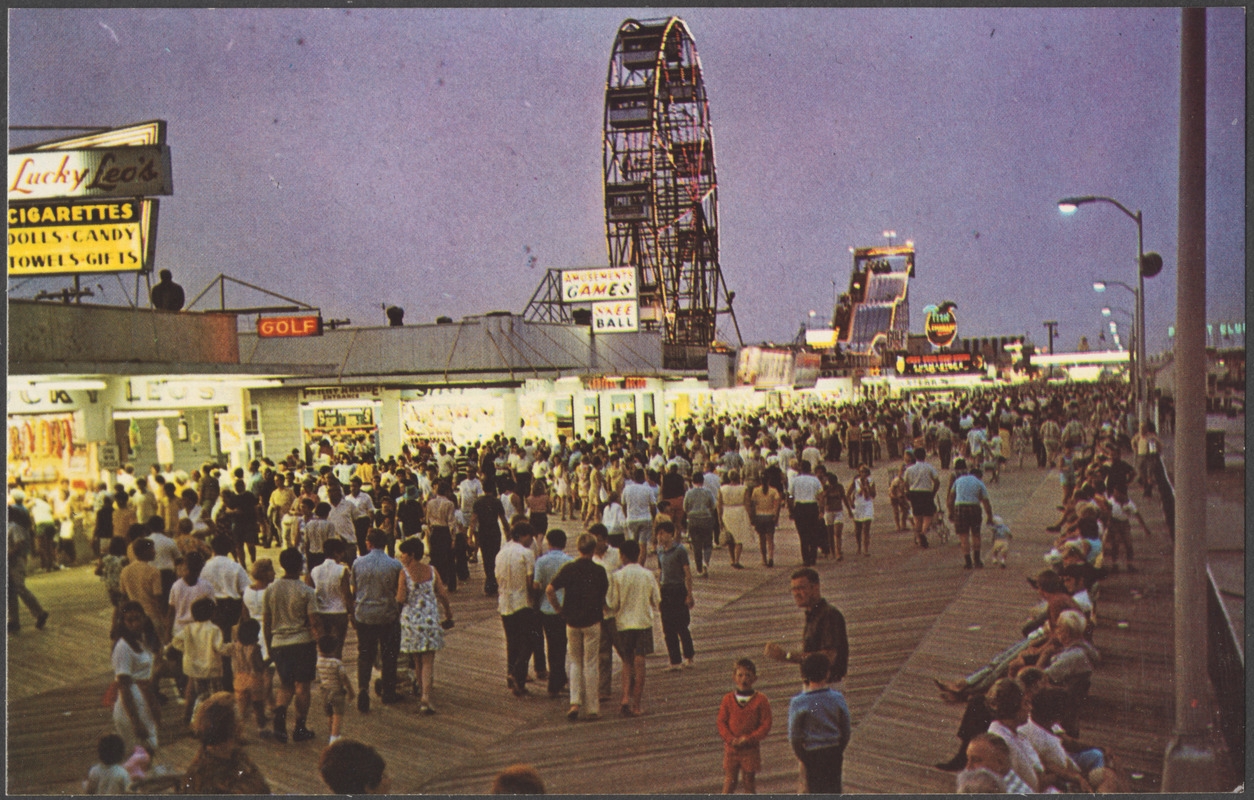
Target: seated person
1068 668
1056 599
979 781
1061 770
1008 703
989 751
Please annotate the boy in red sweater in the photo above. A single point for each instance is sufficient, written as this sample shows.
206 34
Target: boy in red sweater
744 720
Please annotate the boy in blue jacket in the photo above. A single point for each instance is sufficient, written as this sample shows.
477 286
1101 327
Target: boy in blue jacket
818 727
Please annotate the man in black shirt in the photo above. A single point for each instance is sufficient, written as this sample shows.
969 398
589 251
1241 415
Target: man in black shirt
487 520
586 584
824 629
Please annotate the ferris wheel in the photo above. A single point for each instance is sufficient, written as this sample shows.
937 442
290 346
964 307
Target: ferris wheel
661 193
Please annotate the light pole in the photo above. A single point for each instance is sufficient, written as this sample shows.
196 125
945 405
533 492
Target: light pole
1052 324
1106 312
1135 371
1069 205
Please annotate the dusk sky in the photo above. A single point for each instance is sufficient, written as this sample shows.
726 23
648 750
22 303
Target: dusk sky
354 158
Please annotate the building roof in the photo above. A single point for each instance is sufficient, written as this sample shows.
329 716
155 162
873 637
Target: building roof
479 349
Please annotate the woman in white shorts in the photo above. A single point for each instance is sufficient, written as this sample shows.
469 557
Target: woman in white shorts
835 504
862 492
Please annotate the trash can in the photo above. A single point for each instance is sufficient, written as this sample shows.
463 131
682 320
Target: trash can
1214 450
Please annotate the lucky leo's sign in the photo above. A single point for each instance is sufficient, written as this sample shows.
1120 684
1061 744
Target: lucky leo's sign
102 172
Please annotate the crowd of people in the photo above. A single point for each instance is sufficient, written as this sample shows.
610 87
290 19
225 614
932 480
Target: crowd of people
1020 728
197 604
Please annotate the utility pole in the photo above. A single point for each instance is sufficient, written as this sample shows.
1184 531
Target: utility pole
1190 763
1053 333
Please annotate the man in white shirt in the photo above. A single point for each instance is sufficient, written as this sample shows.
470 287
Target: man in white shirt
634 598
922 482
639 505
445 462
804 505
145 501
228 580
365 512
468 491
343 514
514 572
193 510
167 556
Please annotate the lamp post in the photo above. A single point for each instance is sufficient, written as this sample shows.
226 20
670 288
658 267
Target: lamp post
1107 311
1069 205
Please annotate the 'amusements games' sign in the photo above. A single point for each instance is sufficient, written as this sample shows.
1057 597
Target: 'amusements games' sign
586 285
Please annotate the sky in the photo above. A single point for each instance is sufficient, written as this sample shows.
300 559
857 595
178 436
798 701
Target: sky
442 159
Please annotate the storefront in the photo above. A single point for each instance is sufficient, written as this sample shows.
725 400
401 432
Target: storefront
339 420
48 440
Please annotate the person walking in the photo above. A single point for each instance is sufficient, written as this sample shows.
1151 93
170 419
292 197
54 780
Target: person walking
922 484
514 572
734 517
701 511
765 501
290 626
804 506
421 594
551 623
585 586
20 530
862 494
633 601
376 618
966 495
677 599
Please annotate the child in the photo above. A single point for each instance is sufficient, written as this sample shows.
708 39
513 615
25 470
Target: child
992 458
1118 537
111 564
744 720
333 682
202 647
109 776
897 495
818 727
249 669
1001 540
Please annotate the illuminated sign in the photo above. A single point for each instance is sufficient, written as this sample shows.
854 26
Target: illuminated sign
605 382
104 172
939 364
141 133
614 317
805 369
940 323
53 238
611 283
278 327
758 366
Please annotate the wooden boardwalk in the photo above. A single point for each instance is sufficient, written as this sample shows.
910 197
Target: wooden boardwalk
911 614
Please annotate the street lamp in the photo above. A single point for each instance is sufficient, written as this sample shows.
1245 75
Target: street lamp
1069 205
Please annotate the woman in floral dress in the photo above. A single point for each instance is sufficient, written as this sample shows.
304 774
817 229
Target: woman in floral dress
418 591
